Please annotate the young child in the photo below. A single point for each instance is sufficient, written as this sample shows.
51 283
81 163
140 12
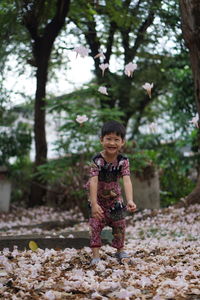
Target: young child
107 207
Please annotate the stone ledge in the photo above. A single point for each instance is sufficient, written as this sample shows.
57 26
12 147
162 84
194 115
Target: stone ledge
80 240
43 243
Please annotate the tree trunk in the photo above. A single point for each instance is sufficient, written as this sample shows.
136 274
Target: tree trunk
42 45
190 12
38 189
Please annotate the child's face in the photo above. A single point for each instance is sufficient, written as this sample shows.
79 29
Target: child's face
112 143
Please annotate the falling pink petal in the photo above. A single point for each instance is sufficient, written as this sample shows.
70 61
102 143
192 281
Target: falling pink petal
103 90
153 127
195 121
147 86
81 119
103 67
130 68
100 54
82 51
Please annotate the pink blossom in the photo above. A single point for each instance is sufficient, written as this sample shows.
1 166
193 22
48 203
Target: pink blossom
50 295
157 297
6 251
145 281
100 267
130 68
147 86
70 236
81 119
123 294
153 127
195 121
103 67
108 285
118 272
61 236
96 295
100 54
103 90
82 51
3 273
8 266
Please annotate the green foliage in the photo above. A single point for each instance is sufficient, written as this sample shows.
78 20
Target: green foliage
66 177
20 176
180 101
14 38
55 169
15 142
174 187
75 137
175 170
15 135
140 159
169 159
4 101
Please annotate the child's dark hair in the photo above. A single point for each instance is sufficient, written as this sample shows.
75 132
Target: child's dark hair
113 127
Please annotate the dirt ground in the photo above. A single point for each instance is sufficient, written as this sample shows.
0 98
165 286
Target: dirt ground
164 263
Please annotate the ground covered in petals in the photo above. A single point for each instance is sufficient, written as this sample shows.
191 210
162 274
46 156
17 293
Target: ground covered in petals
163 244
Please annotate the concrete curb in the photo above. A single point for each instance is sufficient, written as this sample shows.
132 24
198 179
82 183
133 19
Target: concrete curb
80 240
43 243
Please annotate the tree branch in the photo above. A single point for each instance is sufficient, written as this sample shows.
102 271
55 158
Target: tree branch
141 31
110 40
30 20
126 3
52 29
135 10
125 42
130 52
94 43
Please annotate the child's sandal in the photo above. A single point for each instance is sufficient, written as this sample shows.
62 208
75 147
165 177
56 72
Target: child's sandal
95 261
121 255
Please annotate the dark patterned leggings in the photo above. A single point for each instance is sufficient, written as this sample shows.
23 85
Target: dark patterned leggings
118 231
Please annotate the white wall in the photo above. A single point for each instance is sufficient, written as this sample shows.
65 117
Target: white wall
5 190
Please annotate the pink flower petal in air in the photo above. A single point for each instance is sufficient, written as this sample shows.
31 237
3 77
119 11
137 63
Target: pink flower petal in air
81 119
103 67
130 68
82 51
195 121
100 54
103 90
147 86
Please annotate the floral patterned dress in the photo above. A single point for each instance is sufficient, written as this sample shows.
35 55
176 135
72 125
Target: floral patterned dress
109 197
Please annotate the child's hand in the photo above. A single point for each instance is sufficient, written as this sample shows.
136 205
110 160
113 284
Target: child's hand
131 206
97 211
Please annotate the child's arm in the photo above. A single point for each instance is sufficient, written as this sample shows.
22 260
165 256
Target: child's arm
131 206
97 211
